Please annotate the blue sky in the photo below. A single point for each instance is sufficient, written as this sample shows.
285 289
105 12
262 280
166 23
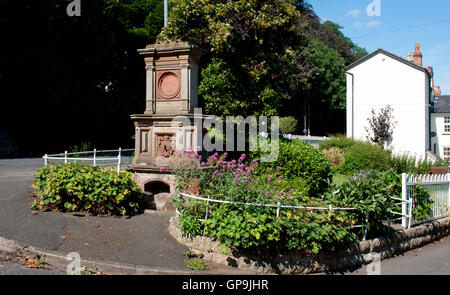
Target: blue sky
400 24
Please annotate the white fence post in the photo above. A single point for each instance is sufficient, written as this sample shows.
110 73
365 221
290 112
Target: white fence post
278 209
448 194
95 157
45 160
404 199
119 160
65 157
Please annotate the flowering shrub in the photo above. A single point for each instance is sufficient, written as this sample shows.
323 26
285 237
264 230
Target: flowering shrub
243 225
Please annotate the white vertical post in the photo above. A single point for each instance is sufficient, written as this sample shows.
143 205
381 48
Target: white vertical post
45 160
119 160
166 12
278 209
367 226
65 157
448 193
95 157
404 199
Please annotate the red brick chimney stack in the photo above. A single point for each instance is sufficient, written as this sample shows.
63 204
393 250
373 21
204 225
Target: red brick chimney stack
437 91
417 56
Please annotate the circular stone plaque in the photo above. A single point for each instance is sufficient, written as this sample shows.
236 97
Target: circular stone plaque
169 85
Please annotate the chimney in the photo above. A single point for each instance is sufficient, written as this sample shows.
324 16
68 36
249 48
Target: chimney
417 56
437 91
409 56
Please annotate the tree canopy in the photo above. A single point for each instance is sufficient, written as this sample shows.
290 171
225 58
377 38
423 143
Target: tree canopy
66 80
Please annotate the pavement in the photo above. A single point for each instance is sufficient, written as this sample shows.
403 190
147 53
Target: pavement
432 259
120 245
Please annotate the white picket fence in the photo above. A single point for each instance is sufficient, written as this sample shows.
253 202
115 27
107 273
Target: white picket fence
98 158
437 185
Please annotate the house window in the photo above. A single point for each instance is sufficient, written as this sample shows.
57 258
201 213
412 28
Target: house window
446 153
447 124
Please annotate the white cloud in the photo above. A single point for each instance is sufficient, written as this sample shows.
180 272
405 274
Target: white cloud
373 24
354 13
358 24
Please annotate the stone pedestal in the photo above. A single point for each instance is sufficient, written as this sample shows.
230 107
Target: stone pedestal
168 125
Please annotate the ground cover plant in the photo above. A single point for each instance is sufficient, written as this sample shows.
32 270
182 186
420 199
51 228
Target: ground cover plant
85 188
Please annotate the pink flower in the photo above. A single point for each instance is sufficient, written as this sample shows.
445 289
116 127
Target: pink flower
203 164
161 169
267 193
163 154
289 198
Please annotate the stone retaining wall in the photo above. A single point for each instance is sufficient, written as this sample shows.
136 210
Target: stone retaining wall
353 257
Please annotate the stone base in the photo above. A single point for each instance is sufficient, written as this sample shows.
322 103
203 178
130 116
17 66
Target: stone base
355 256
158 187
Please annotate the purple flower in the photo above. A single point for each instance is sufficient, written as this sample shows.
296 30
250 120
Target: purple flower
163 154
281 176
161 169
269 179
203 164
267 193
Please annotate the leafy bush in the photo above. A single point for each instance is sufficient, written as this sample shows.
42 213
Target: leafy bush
340 142
365 156
335 155
287 125
302 164
85 188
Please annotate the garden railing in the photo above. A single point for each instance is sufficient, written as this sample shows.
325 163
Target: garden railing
98 158
278 206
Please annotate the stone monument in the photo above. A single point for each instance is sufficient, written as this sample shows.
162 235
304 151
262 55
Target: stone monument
168 124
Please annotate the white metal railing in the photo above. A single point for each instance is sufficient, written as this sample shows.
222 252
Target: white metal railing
438 187
97 159
330 208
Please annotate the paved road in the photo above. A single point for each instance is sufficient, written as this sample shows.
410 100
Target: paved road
432 259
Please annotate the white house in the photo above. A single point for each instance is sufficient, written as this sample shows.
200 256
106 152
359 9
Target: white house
382 78
440 126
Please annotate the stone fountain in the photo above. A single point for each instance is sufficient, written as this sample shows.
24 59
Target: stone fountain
168 124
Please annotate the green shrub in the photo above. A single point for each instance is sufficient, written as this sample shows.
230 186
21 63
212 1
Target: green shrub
303 163
85 188
287 125
335 155
340 142
365 156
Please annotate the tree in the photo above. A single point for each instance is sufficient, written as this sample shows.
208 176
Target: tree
381 126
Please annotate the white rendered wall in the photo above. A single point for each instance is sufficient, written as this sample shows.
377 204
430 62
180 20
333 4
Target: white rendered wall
381 81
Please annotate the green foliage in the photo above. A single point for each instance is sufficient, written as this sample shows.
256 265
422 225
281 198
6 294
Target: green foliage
411 165
288 125
250 227
340 142
85 188
365 156
196 264
304 163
